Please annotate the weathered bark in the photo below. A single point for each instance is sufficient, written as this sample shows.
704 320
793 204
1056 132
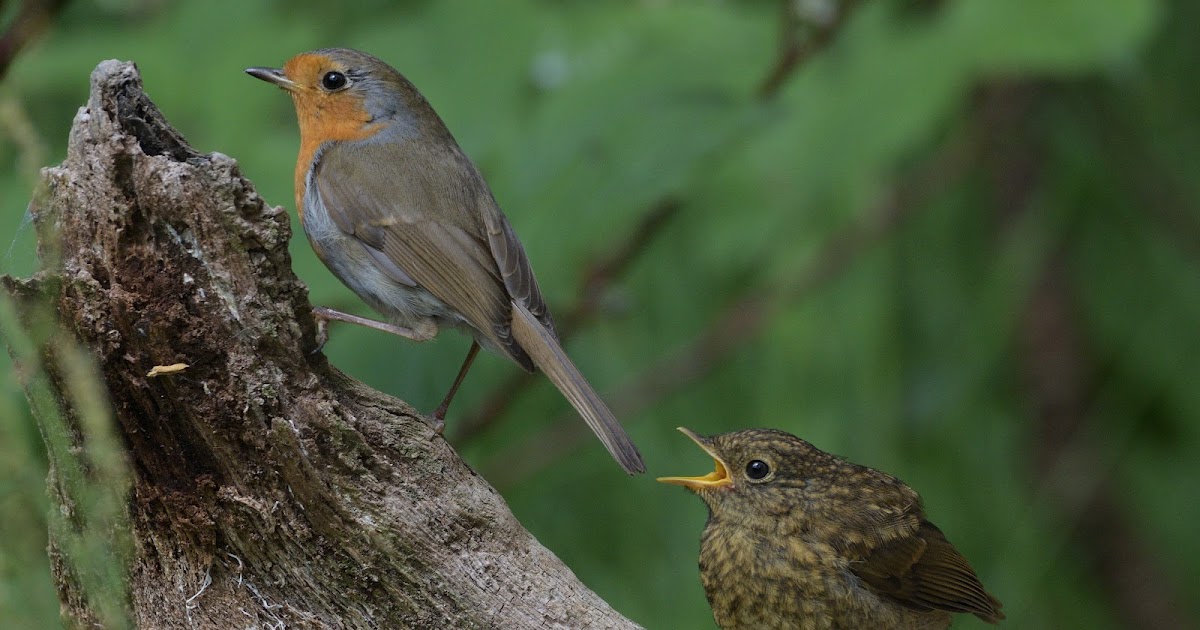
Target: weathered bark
305 496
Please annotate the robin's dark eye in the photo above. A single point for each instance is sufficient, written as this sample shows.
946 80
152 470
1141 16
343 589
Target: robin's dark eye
757 469
333 81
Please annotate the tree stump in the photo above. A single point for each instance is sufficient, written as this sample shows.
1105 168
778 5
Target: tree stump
268 488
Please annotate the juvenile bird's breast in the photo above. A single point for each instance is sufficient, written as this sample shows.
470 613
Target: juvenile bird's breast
767 581
753 580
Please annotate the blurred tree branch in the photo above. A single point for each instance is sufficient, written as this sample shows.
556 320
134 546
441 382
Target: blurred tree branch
32 18
806 28
1061 377
268 489
804 32
1158 186
747 317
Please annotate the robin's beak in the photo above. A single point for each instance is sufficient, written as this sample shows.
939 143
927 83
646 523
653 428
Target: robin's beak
718 478
272 75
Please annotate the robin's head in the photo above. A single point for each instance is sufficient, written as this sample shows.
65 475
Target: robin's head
343 94
771 478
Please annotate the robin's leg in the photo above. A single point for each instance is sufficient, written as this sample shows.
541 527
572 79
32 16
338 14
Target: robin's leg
426 331
439 414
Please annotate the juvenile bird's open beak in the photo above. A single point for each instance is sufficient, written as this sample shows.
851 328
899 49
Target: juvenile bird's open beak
718 478
272 75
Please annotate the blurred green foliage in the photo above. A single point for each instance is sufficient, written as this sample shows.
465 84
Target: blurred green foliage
88 524
915 355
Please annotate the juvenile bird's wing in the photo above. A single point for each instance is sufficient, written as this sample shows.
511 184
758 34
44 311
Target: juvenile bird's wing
422 209
909 560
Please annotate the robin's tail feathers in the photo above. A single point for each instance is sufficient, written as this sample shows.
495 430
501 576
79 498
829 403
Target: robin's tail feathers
549 357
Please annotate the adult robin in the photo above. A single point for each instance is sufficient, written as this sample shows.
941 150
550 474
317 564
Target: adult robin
799 538
402 217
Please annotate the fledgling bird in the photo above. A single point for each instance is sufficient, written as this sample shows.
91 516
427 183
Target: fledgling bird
799 538
401 216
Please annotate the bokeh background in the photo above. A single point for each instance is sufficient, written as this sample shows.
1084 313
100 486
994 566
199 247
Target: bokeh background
955 240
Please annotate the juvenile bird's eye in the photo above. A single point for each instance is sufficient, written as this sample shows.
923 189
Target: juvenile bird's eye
333 80
757 469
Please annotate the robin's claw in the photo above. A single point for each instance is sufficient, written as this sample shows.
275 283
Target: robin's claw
439 417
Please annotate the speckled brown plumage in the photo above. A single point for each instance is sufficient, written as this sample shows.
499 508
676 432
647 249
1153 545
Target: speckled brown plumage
819 542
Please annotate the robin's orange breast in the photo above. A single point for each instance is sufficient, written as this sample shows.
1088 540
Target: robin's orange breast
322 122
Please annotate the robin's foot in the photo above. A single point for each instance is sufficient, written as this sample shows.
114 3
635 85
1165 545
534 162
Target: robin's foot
439 421
322 331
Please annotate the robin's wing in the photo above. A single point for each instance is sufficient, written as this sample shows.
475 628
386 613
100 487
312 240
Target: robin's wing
422 211
514 264
908 559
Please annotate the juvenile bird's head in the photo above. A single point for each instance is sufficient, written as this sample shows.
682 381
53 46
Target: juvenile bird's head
770 479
